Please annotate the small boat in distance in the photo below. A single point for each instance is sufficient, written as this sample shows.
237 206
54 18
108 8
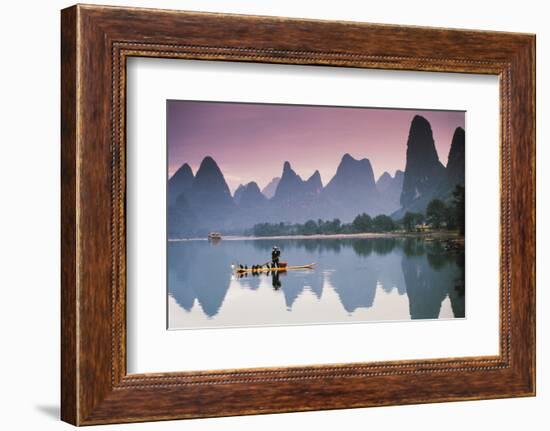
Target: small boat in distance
282 267
214 236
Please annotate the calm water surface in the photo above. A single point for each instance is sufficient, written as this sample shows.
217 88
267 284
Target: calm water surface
354 280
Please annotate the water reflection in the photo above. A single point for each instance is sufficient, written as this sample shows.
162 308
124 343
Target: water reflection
353 280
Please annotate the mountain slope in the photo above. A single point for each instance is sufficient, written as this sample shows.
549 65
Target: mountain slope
290 187
352 190
251 197
209 196
457 158
389 189
238 194
313 186
269 189
425 176
179 183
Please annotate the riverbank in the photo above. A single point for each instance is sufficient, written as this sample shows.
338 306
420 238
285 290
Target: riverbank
434 235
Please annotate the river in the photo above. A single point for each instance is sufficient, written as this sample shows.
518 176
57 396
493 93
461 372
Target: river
354 280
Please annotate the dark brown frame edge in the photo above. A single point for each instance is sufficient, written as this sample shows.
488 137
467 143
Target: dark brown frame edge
95 43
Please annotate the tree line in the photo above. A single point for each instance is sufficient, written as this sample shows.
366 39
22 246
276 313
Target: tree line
438 215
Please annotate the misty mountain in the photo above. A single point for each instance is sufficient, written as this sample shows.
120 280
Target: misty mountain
351 191
238 193
182 219
206 203
250 197
457 158
179 183
424 173
290 187
202 203
389 189
295 200
209 191
425 177
269 190
313 186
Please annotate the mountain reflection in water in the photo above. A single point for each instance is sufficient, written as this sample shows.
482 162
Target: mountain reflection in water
354 280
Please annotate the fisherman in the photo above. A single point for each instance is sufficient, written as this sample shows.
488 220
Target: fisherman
275 254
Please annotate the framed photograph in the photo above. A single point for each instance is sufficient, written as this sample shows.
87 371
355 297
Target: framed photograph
325 248
265 215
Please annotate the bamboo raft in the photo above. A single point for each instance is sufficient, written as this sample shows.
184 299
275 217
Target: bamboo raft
278 269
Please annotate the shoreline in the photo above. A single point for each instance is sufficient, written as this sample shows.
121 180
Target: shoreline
426 235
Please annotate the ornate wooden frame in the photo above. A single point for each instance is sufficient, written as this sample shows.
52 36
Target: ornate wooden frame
95 43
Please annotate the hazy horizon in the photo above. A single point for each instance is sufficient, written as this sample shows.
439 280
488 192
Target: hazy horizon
250 142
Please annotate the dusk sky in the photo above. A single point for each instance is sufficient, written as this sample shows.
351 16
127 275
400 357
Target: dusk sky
250 142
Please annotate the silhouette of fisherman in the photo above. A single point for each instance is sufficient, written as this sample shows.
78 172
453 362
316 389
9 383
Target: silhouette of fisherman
275 254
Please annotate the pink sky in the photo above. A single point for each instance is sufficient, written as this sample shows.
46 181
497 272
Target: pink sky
250 142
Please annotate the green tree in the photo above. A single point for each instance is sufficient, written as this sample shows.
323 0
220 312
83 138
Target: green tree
410 220
331 226
310 227
362 223
436 212
459 205
346 228
383 223
265 229
450 217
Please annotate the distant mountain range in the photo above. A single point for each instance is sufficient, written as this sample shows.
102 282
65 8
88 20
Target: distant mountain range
202 202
